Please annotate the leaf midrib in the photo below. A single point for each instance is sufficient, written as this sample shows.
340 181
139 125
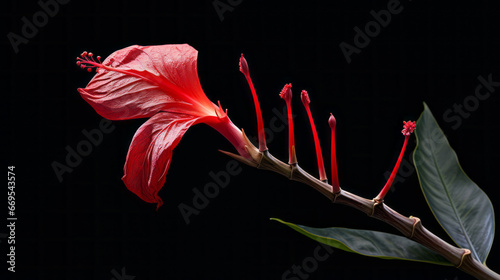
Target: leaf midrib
453 205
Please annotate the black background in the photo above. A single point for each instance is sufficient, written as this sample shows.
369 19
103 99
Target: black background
89 225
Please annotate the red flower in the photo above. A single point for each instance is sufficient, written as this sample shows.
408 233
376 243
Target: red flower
159 82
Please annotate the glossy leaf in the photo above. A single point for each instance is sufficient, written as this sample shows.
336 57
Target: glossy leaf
371 243
460 206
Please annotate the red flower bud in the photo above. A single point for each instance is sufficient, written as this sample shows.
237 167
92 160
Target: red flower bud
260 123
319 156
335 176
286 94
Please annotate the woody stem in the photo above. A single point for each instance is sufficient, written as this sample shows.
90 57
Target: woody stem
411 227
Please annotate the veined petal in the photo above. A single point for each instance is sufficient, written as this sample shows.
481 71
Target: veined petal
139 81
150 153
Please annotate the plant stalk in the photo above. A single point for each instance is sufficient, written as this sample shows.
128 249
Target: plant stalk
411 227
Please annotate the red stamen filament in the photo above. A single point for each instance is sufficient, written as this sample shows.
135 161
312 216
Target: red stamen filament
408 128
286 94
319 155
260 123
335 176
87 61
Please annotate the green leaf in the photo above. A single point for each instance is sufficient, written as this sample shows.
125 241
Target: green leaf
370 243
460 206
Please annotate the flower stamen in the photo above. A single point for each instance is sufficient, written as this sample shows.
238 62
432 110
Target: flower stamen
87 61
408 129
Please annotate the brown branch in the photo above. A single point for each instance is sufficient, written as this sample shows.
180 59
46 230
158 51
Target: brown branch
410 227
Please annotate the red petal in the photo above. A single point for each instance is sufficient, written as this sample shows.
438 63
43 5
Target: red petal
139 81
150 153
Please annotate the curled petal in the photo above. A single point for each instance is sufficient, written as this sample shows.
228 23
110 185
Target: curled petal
150 153
139 81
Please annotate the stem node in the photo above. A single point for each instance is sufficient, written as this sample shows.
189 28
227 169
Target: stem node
415 223
465 254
